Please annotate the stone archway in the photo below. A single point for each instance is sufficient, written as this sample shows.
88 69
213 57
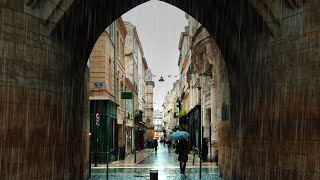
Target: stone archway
270 49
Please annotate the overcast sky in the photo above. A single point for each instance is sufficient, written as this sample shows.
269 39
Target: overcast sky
159 26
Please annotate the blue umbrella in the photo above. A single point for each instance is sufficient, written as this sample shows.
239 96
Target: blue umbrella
179 135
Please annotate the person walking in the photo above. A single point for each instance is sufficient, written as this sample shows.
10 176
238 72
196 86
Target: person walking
169 142
155 143
182 150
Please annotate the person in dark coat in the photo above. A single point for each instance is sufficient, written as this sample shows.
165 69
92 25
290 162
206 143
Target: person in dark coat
182 150
155 143
169 142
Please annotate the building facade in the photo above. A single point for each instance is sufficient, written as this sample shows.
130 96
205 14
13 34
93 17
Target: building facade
158 123
204 87
149 86
136 65
184 63
171 109
117 67
131 106
106 82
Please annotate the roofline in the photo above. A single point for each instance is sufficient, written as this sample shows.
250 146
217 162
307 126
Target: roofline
181 39
144 60
138 39
130 25
122 26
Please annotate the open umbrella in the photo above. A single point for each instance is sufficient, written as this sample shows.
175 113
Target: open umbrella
179 135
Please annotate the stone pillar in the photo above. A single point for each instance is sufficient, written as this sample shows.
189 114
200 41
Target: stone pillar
214 119
273 130
206 123
86 126
41 102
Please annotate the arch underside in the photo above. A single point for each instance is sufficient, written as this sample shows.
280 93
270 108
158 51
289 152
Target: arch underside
270 50
243 30
226 21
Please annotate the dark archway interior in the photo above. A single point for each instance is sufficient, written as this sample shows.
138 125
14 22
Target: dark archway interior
271 50
235 25
241 34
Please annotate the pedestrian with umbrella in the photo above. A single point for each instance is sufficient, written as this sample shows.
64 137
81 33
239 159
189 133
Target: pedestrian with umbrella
182 148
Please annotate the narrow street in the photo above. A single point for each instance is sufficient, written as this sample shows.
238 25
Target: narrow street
164 161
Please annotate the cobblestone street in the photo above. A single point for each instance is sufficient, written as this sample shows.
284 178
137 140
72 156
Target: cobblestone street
164 161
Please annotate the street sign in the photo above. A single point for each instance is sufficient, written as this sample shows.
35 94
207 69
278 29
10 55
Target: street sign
126 95
98 85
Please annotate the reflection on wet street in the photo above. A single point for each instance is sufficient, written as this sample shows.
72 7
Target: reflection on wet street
164 161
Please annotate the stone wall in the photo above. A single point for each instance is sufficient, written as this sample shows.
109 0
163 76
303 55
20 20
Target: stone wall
41 107
102 68
86 128
274 129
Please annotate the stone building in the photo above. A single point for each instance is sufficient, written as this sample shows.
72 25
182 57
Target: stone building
131 105
183 63
158 117
135 71
142 68
149 104
167 110
212 76
106 83
206 83
120 80
171 110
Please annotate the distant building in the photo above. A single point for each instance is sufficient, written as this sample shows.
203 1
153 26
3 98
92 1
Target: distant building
149 104
158 116
171 109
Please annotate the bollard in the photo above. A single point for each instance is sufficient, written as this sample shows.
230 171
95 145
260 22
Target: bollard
135 156
153 174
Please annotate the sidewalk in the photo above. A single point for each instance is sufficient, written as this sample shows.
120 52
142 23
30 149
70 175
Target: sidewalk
164 161
142 155
129 160
197 161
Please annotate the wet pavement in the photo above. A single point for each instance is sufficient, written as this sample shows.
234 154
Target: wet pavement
165 162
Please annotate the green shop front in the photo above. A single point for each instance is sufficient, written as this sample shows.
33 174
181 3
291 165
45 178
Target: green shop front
191 123
104 129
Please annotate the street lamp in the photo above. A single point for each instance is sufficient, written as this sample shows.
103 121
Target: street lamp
161 79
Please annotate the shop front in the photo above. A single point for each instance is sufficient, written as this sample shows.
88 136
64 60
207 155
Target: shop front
191 123
104 129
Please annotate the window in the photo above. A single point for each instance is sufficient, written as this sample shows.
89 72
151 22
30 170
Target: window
113 125
110 75
118 89
118 45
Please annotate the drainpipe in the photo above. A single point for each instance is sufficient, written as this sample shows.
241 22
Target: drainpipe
133 139
125 120
114 61
115 86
